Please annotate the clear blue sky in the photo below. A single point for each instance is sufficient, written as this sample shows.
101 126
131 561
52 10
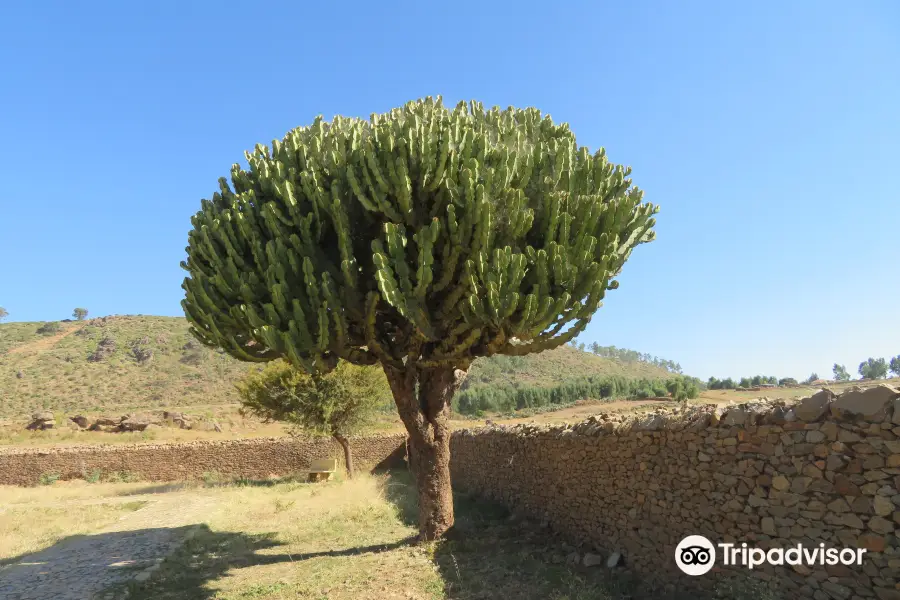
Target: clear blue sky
767 131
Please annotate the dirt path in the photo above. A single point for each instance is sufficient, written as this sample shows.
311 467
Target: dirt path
82 567
45 343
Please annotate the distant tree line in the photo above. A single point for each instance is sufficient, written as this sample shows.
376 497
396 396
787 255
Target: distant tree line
480 399
872 368
626 355
744 382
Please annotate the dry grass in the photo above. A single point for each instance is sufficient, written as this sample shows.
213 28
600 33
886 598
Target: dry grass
352 539
75 490
338 540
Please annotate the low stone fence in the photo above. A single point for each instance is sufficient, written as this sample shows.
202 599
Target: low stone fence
822 472
255 458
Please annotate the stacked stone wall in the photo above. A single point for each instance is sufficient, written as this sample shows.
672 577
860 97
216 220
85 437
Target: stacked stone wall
825 470
257 458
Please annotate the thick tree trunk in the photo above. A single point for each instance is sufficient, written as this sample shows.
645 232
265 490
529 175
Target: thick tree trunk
348 456
426 415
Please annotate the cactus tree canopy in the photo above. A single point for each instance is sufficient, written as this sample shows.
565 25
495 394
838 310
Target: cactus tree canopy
422 237
419 239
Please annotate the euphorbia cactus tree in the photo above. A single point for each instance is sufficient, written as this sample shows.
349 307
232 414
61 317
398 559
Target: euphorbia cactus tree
420 239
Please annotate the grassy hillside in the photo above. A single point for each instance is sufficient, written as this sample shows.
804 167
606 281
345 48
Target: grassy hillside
552 368
122 363
55 371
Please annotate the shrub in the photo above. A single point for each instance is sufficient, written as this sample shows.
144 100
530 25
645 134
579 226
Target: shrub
93 476
49 328
48 478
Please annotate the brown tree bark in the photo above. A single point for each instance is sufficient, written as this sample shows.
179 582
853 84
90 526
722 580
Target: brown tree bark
348 456
426 415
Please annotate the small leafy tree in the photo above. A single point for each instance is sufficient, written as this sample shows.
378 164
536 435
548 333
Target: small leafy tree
683 388
811 378
420 240
873 368
336 404
840 372
80 313
3 313
895 366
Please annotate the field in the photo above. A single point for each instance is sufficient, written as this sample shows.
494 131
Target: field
281 540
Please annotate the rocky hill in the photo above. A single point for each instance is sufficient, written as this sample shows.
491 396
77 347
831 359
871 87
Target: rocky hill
123 363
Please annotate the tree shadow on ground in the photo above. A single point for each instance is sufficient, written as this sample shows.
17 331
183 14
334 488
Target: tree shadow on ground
491 553
209 556
81 566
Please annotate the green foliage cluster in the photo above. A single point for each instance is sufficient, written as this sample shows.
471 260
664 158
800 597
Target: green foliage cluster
684 388
338 403
80 313
3 313
421 238
895 366
481 399
840 372
48 478
873 368
626 355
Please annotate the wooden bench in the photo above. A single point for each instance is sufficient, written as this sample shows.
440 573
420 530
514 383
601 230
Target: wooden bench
320 469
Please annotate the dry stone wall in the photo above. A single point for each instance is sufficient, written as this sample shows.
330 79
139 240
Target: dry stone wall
825 470
257 458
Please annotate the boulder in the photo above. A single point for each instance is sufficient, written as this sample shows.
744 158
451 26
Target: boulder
42 420
139 422
178 419
135 423
867 403
614 560
80 420
108 421
814 407
592 560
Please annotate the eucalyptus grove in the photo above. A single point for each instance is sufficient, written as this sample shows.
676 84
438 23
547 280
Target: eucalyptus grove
419 239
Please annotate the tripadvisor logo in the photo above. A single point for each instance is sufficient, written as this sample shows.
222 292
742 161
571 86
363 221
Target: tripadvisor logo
696 555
